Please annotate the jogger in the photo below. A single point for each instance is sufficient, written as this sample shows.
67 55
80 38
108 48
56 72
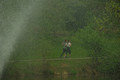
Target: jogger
68 47
64 48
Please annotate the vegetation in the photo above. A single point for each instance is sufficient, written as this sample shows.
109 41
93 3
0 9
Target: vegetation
91 25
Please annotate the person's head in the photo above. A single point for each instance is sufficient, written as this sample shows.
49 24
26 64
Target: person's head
65 40
68 40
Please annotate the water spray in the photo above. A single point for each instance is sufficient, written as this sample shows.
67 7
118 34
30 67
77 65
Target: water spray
9 37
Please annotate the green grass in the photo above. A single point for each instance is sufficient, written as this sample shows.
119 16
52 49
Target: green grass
24 68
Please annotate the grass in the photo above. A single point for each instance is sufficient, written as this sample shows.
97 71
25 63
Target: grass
24 68
36 50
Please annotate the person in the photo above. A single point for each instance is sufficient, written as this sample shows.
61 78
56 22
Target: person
68 47
64 44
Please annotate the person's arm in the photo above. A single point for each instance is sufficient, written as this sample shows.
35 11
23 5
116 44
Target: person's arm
70 44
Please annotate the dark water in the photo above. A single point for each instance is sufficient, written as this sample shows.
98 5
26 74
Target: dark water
62 78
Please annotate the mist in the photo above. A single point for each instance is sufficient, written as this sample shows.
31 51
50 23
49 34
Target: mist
12 27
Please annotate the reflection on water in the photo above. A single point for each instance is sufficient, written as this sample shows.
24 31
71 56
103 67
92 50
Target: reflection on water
62 78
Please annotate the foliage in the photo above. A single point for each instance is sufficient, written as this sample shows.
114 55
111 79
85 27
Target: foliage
91 25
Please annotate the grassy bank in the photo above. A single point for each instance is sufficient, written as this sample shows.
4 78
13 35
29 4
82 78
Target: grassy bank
60 67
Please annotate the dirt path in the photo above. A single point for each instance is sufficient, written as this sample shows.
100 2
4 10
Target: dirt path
52 59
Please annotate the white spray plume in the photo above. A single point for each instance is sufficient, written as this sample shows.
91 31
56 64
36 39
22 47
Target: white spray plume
13 31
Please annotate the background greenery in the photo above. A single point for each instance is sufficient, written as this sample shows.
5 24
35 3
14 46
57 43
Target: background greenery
91 25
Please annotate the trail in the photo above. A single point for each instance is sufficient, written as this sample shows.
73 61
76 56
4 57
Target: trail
52 59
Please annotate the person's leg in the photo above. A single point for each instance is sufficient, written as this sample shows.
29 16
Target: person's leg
65 54
62 53
69 51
